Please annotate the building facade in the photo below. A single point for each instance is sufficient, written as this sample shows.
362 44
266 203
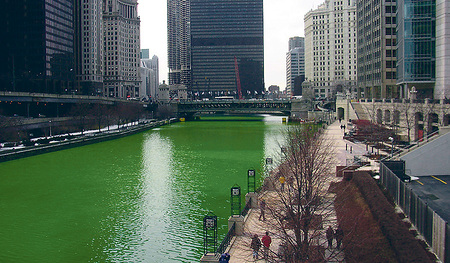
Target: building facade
330 48
149 77
208 39
295 64
377 49
179 42
89 47
416 42
121 49
37 46
223 33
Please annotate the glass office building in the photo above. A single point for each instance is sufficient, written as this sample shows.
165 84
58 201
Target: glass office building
416 47
222 32
37 46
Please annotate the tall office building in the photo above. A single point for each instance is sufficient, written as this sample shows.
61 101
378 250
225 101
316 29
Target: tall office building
150 67
330 48
416 47
296 42
377 49
179 42
222 33
295 65
37 46
89 47
206 38
121 48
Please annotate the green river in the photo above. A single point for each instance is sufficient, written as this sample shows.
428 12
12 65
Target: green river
137 199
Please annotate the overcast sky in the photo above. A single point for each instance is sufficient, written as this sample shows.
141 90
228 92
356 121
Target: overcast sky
282 19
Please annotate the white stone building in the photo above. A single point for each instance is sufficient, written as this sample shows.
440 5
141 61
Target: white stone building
150 78
330 48
121 49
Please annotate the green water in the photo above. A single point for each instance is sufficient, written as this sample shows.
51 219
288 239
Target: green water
137 199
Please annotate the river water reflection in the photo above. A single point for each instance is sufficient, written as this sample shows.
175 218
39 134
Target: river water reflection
137 199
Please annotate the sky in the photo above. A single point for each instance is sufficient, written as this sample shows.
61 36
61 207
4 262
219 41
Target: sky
282 19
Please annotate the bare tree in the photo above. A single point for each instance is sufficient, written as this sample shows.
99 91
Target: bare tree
99 113
80 113
299 211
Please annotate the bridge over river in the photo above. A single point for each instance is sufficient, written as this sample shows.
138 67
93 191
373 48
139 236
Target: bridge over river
286 107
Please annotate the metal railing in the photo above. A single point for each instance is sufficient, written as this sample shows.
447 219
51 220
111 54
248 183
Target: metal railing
246 208
232 232
412 146
226 241
430 224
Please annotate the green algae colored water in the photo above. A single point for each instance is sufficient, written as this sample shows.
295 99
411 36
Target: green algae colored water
137 199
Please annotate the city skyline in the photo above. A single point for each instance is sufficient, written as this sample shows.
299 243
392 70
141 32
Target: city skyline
280 23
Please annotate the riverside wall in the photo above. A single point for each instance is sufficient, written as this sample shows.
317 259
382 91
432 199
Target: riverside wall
79 141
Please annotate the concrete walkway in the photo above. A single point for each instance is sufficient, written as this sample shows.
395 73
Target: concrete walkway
240 250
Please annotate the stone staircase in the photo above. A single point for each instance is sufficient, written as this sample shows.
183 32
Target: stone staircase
360 111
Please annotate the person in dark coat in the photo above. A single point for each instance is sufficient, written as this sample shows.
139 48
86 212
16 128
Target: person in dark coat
255 245
330 236
224 258
339 236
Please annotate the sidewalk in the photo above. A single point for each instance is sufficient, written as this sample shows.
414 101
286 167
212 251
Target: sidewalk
240 250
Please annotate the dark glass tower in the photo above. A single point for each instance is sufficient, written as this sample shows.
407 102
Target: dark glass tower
38 46
220 31
416 47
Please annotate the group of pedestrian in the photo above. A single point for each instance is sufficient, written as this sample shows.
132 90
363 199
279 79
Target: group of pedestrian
265 241
338 235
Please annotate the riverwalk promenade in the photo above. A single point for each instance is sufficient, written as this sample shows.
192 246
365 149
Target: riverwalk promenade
239 248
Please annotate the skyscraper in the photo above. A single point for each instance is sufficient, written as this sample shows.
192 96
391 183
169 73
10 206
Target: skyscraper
295 64
178 42
150 67
377 49
207 37
89 47
121 48
330 48
416 47
37 46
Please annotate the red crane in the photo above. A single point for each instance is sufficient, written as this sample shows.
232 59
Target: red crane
238 79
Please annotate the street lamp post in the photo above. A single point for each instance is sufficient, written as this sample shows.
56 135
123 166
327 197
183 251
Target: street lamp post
392 146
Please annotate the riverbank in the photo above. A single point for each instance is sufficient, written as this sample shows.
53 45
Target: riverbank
79 140
239 248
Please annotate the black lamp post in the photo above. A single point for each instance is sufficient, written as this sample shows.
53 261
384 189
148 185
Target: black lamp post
209 233
235 200
251 181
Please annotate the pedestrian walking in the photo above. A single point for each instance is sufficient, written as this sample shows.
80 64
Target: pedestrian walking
255 245
330 236
266 240
262 208
339 237
282 181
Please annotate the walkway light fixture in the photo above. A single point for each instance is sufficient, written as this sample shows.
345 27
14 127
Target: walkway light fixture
209 233
235 200
251 181
392 146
